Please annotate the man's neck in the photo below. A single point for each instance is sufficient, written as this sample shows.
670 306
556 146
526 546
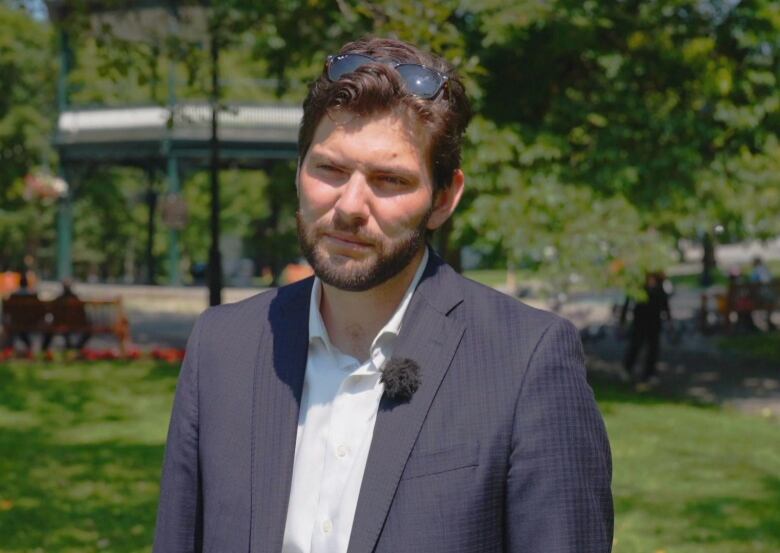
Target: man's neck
353 319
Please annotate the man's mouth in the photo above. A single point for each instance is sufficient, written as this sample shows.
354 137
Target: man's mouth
344 239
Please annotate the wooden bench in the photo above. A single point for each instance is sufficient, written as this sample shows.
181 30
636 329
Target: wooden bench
739 302
66 316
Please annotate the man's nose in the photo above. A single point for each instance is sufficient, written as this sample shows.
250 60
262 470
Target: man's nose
352 204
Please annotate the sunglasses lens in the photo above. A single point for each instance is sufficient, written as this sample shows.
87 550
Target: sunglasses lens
341 65
420 81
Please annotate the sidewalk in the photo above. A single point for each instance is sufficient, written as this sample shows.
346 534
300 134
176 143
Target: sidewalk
694 369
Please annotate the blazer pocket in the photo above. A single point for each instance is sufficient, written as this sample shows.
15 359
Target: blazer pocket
441 460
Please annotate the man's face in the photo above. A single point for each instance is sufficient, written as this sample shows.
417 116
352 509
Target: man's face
366 199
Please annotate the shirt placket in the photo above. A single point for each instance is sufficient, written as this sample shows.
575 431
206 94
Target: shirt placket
345 438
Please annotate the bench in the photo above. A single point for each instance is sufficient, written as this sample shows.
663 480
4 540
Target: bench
739 302
66 316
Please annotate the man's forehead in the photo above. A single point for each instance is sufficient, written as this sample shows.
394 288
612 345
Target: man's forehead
394 125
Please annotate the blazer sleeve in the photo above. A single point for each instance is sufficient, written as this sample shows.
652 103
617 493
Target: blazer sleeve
179 516
560 470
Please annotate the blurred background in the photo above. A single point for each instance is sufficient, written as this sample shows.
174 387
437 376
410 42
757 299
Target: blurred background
623 169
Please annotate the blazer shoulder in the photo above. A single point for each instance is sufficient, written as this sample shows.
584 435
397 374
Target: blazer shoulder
483 301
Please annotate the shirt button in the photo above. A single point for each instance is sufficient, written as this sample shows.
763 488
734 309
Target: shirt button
327 526
341 451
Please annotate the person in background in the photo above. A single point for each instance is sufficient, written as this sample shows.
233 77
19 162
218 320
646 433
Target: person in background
24 291
68 300
74 340
764 295
760 273
645 334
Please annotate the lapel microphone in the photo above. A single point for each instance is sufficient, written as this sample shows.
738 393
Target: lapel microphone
401 377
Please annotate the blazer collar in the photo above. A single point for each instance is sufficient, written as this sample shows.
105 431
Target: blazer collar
429 337
439 286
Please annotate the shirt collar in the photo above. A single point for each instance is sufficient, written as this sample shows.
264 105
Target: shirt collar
317 328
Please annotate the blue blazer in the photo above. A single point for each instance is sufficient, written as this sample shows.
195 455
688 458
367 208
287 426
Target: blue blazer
501 449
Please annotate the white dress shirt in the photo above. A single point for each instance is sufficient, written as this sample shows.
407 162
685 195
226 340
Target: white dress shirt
335 426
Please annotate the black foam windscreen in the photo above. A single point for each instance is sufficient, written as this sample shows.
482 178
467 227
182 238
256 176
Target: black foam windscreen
401 377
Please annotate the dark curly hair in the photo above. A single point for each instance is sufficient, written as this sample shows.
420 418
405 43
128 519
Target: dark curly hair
378 88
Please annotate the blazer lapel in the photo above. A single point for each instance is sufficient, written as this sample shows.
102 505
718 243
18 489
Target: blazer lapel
430 338
278 384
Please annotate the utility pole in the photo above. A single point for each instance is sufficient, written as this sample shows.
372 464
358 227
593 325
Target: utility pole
215 258
65 203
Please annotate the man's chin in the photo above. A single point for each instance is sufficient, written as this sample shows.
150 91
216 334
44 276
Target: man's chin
346 259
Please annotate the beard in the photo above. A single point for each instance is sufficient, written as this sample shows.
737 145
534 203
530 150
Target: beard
391 256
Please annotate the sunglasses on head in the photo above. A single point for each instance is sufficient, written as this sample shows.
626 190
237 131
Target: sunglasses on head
419 80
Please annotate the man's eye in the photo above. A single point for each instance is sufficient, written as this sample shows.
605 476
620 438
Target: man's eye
328 168
392 179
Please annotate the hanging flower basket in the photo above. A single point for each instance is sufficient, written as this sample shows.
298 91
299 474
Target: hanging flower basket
40 185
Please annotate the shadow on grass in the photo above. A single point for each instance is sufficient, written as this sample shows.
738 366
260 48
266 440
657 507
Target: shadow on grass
77 497
760 345
733 518
608 390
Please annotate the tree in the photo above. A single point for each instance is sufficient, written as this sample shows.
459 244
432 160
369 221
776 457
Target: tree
601 125
645 103
26 115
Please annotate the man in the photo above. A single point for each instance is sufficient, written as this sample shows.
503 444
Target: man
388 404
29 295
762 291
69 307
645 335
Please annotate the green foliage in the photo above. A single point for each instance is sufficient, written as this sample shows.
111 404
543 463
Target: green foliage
564 232
257 207
740 191
26 114
666 113
605 130
109 223
640 95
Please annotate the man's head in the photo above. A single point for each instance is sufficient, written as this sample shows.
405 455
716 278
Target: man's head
379 88
379 160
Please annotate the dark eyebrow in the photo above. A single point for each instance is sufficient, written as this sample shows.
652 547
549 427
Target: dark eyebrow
321 156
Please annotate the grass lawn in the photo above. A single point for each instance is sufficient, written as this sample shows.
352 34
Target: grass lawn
82 446
689 478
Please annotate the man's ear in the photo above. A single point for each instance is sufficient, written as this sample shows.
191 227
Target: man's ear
445 200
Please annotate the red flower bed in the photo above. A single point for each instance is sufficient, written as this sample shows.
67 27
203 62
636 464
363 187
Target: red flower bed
169 355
